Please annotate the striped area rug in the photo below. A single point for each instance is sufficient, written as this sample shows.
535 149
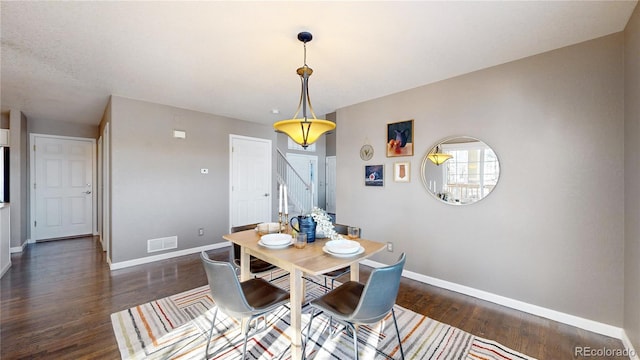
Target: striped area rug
176 327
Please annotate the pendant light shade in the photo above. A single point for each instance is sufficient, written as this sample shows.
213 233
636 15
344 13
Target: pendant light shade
437 157
304 130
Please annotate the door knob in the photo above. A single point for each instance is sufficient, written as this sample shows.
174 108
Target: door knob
266 194
88 192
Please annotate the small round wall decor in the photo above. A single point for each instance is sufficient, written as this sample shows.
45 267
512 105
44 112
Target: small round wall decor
366 152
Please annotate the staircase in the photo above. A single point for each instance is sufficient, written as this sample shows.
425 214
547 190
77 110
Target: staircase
299 192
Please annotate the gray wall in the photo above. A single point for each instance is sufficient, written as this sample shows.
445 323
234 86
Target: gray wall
157 188
551 233
330 138
632 179
19 180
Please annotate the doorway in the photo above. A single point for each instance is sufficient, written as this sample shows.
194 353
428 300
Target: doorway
307 167
250 183
62 177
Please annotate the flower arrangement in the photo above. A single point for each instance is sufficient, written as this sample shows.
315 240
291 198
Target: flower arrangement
324 224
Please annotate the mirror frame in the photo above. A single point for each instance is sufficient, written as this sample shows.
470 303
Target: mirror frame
426 161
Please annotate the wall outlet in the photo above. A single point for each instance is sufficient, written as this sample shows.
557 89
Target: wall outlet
390 246
200 231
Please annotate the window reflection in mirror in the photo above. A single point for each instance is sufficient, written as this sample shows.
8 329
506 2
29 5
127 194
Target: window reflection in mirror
467 176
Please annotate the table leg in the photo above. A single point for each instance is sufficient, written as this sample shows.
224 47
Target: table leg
297 293
245 270
355 272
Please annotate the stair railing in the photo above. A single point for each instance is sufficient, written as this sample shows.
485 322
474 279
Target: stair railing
299 192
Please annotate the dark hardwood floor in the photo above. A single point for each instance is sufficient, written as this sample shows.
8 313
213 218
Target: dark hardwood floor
58 296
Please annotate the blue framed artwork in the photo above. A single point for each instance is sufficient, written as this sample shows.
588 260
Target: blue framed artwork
400 138
374 175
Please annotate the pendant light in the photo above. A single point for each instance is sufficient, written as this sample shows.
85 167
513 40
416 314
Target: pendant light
303 130
438 157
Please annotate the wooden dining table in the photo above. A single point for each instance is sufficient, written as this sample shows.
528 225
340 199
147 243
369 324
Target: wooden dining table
311 260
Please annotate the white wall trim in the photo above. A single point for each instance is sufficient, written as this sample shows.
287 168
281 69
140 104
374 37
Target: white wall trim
582 323
5 269
169 255
19 249
633 354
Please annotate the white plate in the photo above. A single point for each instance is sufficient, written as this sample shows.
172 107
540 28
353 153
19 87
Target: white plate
276 239
358 252
342 246
282 246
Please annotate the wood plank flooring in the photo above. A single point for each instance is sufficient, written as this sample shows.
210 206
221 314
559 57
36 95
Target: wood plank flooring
57 298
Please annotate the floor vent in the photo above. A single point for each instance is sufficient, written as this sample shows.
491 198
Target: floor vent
160 244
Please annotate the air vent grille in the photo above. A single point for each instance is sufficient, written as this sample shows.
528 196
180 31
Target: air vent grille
159 244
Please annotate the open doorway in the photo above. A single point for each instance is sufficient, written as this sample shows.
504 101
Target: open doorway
307 167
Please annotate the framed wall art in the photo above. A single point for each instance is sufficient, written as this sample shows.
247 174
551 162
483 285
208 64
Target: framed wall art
400 138
374 175
402 171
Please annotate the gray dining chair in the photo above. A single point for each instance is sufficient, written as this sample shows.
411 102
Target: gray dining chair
354 303
333 275
244 301
256 266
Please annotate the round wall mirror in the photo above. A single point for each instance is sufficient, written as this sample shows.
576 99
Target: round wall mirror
460 170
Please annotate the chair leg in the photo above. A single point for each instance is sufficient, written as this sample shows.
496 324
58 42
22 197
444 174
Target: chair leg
355 339
245 325
393 313
213 325
306 340
331 331
244 347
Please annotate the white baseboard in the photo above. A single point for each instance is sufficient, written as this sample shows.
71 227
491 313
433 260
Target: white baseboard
19 249
633 354
5 269
582 323
169 255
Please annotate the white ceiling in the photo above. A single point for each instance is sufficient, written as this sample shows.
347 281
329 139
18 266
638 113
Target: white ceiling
62 60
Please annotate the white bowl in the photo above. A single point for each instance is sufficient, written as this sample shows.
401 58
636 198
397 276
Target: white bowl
342 246
276 239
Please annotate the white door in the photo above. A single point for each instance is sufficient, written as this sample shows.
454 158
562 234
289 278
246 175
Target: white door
330 189
307 167
62 187
250 171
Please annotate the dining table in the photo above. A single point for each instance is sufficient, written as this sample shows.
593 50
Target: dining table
310 260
